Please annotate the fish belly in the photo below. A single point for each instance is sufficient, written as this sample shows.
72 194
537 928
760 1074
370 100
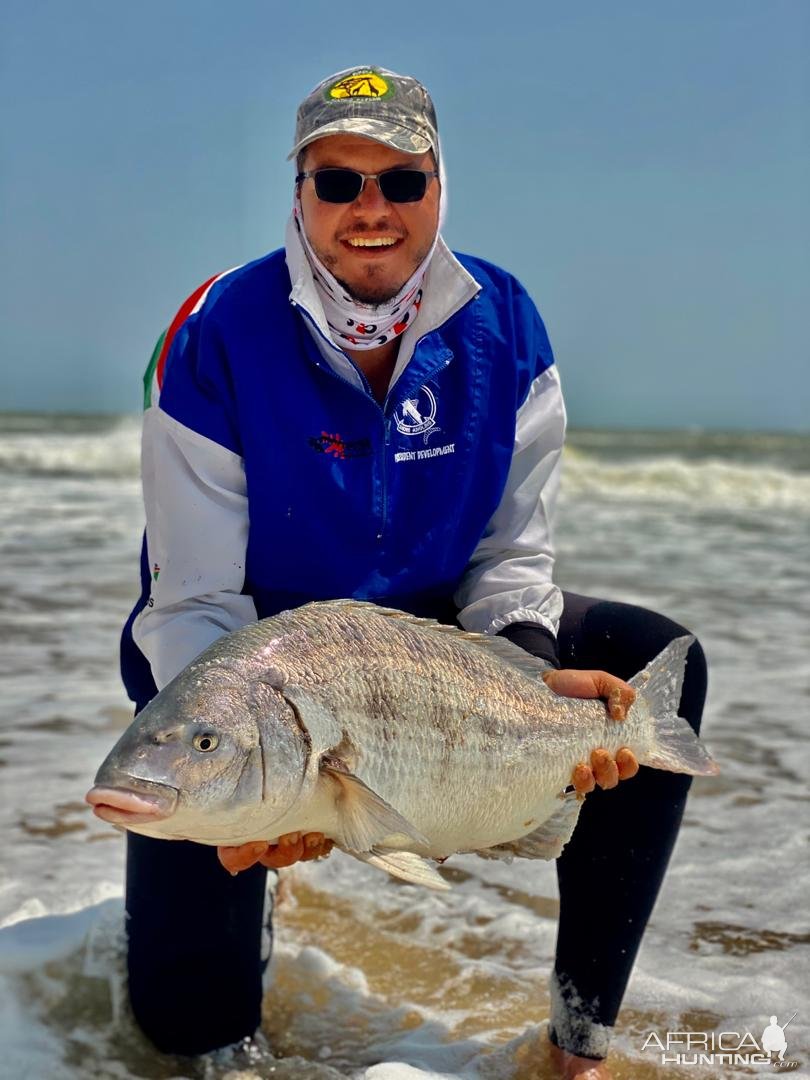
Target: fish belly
460 768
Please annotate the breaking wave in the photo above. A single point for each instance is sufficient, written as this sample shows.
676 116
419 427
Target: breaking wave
750 471
79 446
708 482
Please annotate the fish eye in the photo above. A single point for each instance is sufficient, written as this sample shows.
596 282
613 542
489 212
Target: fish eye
205 742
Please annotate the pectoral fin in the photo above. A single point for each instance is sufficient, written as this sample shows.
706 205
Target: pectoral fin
547 841
365 819
405 865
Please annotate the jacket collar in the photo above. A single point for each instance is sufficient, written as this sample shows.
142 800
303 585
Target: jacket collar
448 287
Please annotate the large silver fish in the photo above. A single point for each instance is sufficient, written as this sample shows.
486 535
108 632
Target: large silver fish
399 738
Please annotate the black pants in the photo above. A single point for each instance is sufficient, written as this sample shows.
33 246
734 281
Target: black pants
195 969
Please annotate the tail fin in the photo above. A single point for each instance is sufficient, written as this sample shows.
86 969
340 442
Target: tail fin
675 746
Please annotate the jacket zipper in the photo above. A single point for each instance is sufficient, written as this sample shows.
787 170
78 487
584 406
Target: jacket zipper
386 420
366 391
386 444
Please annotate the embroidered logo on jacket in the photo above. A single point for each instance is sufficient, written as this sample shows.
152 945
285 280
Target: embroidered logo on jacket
338 447
417 416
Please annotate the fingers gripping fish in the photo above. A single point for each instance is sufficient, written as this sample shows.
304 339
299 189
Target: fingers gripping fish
399 738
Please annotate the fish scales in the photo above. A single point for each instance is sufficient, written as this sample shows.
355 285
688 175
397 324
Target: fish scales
477 733
447 706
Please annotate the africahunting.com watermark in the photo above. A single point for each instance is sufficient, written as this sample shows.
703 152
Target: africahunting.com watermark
723 1047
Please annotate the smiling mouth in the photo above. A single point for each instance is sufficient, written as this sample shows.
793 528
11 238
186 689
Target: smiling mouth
372 245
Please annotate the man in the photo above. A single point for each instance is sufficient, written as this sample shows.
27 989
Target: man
366 414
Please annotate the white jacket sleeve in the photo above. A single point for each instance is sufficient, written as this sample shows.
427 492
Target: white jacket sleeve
196 536
508 579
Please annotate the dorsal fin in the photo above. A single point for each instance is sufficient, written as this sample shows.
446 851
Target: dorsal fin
505 650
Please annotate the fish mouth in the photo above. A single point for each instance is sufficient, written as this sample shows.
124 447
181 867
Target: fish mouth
120 806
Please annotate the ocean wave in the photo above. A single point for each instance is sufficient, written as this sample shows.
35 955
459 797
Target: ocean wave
111 452
709 482
112 449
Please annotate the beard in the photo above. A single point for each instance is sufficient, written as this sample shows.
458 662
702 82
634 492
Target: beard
375 287
372 292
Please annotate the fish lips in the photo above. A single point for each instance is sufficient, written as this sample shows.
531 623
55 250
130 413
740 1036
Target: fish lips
139 803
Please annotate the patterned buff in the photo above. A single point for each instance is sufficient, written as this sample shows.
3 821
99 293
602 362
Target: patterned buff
363 326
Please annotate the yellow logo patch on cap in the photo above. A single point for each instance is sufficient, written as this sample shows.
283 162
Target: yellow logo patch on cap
360 84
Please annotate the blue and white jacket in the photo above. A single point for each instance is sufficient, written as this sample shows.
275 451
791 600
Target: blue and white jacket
273 477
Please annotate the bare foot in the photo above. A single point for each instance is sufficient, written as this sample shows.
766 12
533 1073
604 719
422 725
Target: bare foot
571 1067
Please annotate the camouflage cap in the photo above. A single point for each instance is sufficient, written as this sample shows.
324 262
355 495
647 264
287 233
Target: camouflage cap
392 109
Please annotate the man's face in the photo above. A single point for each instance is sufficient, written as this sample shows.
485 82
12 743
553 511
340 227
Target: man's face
371 274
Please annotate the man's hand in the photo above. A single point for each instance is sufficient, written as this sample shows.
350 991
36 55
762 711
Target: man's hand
569 682
602 769
290 848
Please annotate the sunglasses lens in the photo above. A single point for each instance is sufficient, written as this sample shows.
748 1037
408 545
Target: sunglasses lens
344 185
403 185
337 185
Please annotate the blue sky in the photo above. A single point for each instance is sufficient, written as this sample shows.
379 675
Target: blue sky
643 167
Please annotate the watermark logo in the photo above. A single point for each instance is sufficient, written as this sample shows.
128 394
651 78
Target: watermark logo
723 1047
773 1039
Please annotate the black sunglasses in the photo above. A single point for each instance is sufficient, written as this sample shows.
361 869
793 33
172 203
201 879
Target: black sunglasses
345 185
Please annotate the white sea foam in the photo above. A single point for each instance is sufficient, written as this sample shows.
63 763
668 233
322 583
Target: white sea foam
709 482
113 450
